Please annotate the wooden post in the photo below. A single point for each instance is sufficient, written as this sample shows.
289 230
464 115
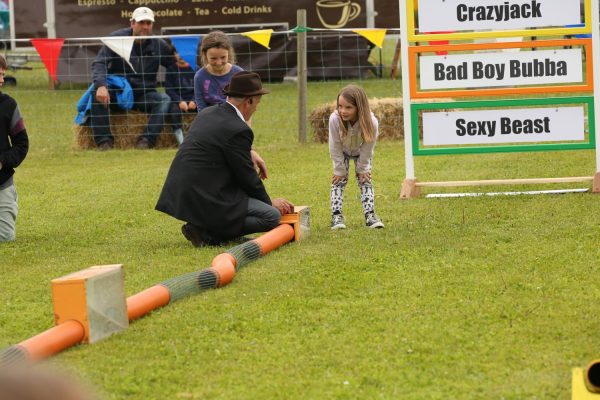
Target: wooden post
409 189
595 10
596 182
302 76
395 61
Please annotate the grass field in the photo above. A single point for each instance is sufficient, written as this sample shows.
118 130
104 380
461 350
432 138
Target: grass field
467 298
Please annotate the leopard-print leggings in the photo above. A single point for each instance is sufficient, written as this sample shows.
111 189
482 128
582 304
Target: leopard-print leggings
367 195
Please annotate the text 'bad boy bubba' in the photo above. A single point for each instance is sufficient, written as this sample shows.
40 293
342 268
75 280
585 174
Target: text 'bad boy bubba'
461 15
495 69
549 124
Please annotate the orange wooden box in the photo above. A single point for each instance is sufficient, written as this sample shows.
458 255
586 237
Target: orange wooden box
300 220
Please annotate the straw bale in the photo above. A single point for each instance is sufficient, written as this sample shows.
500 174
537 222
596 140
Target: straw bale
126 128
387 110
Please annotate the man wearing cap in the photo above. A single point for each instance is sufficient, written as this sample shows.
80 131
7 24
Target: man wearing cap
213 184
147 54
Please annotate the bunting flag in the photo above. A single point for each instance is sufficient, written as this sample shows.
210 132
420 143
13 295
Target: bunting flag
186 47
375 36
49 51
121 45
439 42
262 36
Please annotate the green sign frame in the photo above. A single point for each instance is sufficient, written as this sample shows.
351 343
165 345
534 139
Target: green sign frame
419 151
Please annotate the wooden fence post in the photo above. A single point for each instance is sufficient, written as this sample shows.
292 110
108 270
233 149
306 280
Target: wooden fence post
302 75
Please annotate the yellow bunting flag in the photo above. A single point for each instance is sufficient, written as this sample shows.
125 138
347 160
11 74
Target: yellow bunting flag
374 36
262 36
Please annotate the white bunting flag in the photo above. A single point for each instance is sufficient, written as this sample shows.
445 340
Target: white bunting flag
121 45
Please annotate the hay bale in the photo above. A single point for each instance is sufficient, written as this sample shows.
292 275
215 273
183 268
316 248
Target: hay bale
126 128
387 110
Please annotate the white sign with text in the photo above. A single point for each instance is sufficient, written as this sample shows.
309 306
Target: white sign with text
542 67
467 15
526 125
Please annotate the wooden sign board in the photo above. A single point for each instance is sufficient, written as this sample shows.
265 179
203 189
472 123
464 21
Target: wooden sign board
501 69
495 69
471 19
527 124
478 15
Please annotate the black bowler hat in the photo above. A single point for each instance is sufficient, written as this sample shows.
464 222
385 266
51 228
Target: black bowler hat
244 84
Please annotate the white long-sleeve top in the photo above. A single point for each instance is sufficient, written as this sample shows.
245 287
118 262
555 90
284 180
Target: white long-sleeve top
353 145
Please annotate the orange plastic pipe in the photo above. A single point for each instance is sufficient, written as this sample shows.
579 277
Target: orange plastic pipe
275 238
147 300
224 272
225 258
223 266
54 340
591 377
72 332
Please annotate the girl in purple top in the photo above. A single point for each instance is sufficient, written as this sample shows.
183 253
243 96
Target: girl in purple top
217 60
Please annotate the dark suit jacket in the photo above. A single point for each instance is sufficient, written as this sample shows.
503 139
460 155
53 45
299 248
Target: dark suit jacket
212 175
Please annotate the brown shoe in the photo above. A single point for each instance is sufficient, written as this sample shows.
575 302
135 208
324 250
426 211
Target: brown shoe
142 144
192 234
105 146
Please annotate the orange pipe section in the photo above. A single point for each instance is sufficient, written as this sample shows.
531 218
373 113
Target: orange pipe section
147 300
72 332
54 340
275 238
588 86
223 258
591 377
224 272
223 266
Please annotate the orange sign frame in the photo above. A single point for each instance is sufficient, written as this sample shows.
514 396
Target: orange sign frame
588 86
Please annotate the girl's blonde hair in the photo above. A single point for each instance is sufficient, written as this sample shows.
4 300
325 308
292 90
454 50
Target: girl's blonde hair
356 96
219 40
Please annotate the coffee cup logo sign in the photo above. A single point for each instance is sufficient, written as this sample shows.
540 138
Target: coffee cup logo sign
337 13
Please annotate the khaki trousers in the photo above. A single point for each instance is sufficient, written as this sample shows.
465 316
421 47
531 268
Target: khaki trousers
8 213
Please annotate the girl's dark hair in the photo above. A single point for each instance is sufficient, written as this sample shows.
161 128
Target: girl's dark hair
219 40
3 64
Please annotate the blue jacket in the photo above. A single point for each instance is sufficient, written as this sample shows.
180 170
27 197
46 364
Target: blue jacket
124 97
179 83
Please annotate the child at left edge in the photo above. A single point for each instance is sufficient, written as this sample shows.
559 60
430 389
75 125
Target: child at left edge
353 131
14 145
179 86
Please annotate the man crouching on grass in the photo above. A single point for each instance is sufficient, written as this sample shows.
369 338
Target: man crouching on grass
212 184
14 145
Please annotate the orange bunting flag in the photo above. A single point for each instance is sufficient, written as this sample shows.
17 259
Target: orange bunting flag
262 36
49 51
375 36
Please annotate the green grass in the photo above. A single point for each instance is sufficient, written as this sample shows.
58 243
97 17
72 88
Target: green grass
467 298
